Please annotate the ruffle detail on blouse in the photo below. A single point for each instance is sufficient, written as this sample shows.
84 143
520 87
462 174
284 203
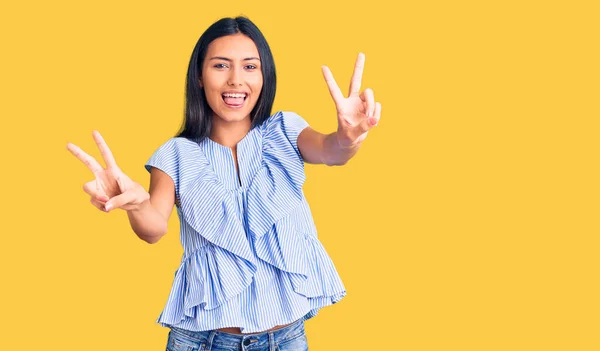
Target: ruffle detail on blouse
272 199
277 186
303 258
323 279
199 284
212 212
225 266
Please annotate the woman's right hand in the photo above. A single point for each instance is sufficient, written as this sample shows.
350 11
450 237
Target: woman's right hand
111 188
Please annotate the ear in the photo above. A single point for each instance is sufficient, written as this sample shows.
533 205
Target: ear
200 82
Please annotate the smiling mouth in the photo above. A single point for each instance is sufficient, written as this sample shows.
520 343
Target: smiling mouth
234 99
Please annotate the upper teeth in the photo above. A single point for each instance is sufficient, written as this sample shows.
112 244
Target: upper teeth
234 95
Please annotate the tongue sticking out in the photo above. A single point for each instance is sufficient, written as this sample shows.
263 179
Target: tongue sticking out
233 101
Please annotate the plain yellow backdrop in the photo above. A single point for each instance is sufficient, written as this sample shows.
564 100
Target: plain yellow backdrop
468 221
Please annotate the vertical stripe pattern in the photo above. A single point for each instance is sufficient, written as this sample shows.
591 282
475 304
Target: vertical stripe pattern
251 257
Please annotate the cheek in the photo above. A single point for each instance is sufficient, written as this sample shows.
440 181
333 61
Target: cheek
213 98
211 90
256 84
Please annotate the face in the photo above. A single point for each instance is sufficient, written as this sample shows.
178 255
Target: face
231 77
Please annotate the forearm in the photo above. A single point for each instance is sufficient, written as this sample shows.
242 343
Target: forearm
333 154
147 222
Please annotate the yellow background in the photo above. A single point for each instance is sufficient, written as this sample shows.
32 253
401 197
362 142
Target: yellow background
468 221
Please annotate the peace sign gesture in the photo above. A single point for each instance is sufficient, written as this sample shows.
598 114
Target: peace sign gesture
111 188
357 113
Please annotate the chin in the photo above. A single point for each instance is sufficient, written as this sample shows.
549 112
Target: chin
233 116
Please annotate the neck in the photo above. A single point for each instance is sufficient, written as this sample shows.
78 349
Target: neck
229 133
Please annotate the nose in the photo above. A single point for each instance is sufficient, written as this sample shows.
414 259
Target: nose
235 78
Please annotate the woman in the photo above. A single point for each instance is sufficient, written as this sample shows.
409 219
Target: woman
253 269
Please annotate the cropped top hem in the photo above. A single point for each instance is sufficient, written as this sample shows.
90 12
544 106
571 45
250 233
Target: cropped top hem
245 329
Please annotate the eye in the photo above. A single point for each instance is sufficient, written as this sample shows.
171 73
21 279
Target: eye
220 65
251 67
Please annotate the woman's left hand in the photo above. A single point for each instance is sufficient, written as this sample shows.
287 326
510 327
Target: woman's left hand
357 113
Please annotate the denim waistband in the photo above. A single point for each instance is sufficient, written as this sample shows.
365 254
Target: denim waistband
248 341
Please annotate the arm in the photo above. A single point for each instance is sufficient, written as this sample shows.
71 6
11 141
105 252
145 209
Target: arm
148 212
318 148
149 219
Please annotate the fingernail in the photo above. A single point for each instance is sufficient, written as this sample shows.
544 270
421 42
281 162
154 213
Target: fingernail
108 207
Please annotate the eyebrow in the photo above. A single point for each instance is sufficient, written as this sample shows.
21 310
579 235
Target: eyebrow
228 59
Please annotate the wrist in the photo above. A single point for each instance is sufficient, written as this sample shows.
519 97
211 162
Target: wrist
344 143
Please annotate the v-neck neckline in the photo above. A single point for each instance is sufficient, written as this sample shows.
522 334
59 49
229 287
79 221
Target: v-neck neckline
246 137
242 169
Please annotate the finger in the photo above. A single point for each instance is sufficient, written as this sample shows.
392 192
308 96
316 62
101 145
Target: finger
377 116
98 205
101 187
121 182
369 99
364 126
120 200
104 150
88 160
91 189
357 75
334 90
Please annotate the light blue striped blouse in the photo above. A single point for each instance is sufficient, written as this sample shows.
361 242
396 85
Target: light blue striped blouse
251 255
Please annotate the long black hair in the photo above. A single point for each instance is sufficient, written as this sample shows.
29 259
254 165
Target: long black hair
198 113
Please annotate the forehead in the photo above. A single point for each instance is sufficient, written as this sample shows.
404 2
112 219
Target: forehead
232 46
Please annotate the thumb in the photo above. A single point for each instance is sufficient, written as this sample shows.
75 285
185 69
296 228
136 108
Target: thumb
365 125
119 200
123 186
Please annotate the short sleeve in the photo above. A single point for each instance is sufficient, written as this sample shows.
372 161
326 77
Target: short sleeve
166 158
292 125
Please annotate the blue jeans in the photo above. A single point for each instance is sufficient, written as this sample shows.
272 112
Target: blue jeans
288 338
